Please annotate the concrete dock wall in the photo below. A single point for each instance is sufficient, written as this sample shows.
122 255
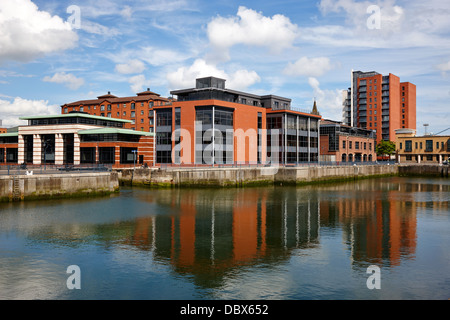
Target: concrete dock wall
221 177
424 170
17 188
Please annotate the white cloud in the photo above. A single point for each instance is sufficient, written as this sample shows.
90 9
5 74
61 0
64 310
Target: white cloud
127 12
185 77
329 102
311 67
138 83
68 79
27 33
132 66
444 67
11 111
251 28
417 24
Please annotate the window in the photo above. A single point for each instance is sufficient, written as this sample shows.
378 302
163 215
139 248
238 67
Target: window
357 145
177 116
133 114
408 145
343 144
429 145
350 144
102 108
133 106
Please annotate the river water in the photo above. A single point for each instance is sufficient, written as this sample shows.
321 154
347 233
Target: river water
333 241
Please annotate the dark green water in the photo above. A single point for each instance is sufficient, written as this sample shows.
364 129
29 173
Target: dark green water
258 243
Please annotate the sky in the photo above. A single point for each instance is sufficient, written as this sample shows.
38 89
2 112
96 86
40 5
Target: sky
54 52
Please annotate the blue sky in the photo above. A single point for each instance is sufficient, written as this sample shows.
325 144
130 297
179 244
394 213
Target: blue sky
54 52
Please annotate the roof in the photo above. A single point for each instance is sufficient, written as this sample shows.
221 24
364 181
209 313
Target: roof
116 131
142 96
76 115
11 134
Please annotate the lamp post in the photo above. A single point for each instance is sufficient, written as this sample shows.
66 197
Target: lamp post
134 157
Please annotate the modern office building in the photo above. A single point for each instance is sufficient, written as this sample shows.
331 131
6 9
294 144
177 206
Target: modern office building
210 124
136 109
76 139
342 143
379 102
427 149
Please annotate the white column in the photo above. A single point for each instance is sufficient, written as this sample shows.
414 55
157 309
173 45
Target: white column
59 149
76 150
37 149
21 150
418 158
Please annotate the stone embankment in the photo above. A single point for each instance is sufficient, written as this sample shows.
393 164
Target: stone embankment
50 186
240 177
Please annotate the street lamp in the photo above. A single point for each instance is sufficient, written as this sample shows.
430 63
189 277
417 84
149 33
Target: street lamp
134 157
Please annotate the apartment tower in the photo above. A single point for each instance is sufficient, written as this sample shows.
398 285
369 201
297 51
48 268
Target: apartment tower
380 103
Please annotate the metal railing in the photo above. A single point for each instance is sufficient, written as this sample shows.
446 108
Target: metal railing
52 169
243 165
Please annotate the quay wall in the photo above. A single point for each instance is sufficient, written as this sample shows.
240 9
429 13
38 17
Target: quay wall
47 186
236 177
424 170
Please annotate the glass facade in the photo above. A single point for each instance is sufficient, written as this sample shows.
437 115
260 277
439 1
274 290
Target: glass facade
292 138
214 135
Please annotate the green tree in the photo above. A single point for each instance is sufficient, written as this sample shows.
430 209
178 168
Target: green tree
385 148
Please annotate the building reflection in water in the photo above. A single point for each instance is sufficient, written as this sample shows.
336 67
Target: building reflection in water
211 234
215 232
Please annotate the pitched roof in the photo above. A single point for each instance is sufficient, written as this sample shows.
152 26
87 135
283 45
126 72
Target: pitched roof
109 98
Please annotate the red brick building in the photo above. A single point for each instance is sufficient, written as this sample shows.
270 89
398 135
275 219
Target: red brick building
137 109
210 124
380 103
342 143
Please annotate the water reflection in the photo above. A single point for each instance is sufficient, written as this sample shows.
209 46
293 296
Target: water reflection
215 232
210 235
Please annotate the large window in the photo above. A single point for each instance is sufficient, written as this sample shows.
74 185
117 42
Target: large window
408 145
164 118
164 138
128 155
429 145
106 155
219 131
164 157
87 155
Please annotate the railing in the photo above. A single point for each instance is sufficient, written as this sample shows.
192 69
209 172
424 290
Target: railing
245 165
52 169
